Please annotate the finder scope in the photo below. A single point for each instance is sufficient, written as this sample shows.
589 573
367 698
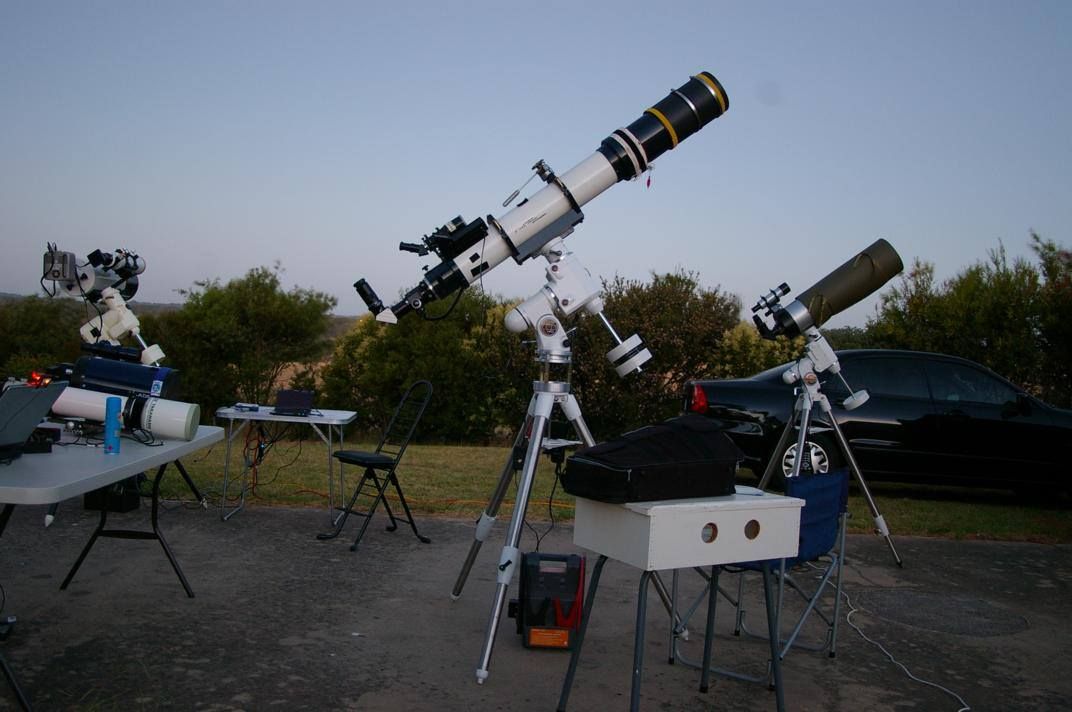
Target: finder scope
469 249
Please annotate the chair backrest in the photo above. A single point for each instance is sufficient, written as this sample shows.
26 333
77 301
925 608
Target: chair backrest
400 429
825 498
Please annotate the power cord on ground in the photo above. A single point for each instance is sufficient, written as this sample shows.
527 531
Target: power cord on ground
964 707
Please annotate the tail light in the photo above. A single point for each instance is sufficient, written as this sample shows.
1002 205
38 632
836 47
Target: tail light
697 401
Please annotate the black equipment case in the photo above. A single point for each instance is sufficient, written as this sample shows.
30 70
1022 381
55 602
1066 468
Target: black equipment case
684 457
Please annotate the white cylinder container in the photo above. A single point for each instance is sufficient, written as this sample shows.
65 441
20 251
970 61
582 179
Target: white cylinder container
163 418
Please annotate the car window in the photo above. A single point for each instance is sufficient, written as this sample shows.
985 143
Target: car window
899 377
958 382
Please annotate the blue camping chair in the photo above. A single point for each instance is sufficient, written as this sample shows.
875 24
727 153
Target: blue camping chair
813 574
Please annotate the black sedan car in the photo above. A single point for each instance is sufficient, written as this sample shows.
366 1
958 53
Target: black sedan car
930 418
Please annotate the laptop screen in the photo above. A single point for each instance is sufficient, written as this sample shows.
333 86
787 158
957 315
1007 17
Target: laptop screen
294 402
22 407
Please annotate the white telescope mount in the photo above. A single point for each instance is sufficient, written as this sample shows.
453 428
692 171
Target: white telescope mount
569 288
819 357
117 322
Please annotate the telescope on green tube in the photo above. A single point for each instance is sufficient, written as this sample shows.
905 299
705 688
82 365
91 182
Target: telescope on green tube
467 250
858 278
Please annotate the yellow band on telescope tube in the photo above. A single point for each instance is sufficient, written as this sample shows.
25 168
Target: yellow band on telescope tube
666 123
715 89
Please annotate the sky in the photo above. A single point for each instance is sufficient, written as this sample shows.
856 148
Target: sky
215 137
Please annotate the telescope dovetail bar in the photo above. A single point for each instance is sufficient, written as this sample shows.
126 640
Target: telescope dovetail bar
468 250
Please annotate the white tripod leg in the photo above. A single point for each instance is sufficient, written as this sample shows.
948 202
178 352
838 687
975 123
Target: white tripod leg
508 561
487 517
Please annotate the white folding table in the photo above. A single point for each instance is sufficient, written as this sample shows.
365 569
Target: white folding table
328 424
685 533
72 470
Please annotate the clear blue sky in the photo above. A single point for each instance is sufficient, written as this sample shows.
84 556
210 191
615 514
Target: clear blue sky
216 137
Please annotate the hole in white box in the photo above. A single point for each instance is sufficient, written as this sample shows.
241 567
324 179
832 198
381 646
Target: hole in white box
709 532
751 530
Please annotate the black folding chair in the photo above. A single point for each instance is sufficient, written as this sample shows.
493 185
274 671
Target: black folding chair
380 465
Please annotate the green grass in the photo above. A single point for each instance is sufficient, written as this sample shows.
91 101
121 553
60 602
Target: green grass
457 481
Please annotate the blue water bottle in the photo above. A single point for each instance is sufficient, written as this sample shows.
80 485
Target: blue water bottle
112 407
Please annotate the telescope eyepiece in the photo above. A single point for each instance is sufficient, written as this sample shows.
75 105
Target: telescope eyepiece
414 247
368 296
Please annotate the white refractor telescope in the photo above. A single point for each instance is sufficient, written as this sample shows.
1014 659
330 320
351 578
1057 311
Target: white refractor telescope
469 249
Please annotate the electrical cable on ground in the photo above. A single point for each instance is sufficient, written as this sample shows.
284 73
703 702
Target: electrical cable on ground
964 707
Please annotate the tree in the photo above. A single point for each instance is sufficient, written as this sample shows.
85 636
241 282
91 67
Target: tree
36 333
1055 324
744 352
849 337
682 323
234 341
987 313
908 313
480 373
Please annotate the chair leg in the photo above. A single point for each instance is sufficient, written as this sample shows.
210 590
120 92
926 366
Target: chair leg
341 521
405 507
837 587
381 487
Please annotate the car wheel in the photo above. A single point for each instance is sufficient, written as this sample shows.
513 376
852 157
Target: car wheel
820 456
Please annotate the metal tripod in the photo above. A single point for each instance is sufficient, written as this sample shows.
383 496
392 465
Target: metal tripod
569 289
546 395
820 357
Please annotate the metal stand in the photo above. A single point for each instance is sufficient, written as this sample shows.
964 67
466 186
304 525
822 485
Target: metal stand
569 288
100 531
819 357
546 395
638 635
9 674
24 701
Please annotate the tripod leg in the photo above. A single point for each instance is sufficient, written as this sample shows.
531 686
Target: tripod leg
508 560
880 522
802 439
774 460
572 411
487 518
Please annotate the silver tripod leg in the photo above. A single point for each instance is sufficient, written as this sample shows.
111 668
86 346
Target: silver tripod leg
880 522
802 419
487 518
545 401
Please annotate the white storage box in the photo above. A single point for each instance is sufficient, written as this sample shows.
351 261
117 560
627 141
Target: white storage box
681 533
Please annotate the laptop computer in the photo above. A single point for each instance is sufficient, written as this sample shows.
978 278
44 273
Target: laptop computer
293 402
21 409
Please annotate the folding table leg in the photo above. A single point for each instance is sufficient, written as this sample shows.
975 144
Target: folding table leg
100 531
575 656
638 640
24 701
773 634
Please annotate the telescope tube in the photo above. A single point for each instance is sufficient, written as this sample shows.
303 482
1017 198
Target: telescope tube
623 155
861 276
